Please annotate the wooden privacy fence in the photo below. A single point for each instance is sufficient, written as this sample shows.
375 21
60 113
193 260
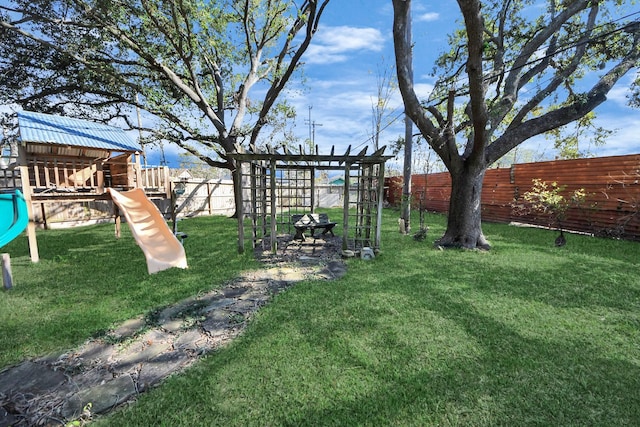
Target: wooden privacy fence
215 197
612 184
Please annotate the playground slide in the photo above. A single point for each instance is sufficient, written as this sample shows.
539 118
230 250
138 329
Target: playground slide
13 216
161 248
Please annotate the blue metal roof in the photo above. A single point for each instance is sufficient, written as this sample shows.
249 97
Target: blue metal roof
50 129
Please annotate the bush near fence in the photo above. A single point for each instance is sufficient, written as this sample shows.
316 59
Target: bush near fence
612 184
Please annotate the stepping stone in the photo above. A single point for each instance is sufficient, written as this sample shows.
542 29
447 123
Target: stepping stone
216 305
129 328
160 367
29 377
256 295
189 341
173 326
244 306
217 323
103 397
173 311
278 286
234 292
149 346
95 351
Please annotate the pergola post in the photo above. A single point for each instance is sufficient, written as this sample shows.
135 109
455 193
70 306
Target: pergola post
272 189
239 205
254 205
345 208
312 171
380 203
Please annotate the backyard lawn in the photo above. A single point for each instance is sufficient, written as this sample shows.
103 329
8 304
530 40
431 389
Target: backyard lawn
527 334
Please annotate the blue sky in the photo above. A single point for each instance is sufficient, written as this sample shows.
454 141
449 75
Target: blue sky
341 72
355 40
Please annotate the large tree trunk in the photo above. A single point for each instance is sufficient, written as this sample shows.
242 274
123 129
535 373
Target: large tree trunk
237 187
464 227
228 143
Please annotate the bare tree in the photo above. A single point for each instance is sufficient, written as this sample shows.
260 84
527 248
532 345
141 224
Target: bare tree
189 65
516 76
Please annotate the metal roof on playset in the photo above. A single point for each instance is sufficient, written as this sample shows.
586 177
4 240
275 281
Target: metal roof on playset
42 128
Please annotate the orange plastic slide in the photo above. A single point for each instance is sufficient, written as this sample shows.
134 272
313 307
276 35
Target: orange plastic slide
161 248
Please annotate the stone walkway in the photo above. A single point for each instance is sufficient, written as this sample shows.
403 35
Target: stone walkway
139 354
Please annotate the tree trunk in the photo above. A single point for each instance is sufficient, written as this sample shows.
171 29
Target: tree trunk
228 143
237 187
464 226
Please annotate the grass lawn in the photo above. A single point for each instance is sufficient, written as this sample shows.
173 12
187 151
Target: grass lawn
87 281
527 334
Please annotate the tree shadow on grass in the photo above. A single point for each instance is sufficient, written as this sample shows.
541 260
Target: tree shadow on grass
87 281
368 368
512 380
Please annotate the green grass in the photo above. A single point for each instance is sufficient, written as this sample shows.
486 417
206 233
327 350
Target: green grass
87 281
527 334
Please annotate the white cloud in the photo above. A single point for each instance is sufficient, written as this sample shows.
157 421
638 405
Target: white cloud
423 90
618 95
625 138
335 44
427 17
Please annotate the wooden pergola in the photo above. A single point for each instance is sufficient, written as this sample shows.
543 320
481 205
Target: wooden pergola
279 184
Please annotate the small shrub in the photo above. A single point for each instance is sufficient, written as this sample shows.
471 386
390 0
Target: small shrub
547 199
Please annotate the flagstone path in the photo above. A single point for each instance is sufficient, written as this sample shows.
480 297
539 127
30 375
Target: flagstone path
107 372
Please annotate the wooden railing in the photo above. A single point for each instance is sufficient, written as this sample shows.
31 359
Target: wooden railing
57 175
155 179
65 174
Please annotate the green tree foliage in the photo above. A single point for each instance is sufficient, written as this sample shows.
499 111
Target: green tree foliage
571 144
190 65
511 74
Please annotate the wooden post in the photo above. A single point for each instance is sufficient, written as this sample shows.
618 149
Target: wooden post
138 170
313 190
272 208
7 277
345 209
43 211
26 191
100 177
240 205
118 219
167 181
380 204
173 200
254 206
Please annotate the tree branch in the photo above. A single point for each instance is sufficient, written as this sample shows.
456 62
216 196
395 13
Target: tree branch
582 105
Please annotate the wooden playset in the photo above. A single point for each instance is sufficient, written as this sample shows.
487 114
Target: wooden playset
60 161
